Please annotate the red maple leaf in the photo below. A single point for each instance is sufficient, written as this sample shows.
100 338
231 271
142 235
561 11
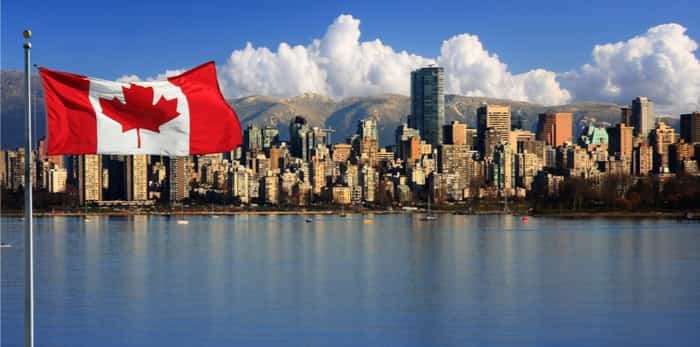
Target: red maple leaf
138 111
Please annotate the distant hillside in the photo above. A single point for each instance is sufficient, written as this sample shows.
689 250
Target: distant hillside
389 110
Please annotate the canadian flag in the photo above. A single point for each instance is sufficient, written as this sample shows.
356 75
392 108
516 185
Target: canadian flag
182 115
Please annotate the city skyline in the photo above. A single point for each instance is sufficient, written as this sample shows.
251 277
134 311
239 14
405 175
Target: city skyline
449 161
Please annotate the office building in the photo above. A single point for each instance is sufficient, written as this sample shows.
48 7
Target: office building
690 127
428 103
493 117
555 128
643 118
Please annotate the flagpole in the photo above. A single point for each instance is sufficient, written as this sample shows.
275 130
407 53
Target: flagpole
28 235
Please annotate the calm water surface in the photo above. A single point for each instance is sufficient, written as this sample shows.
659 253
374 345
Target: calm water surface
278 281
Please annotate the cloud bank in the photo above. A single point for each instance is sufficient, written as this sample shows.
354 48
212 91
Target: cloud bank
660 63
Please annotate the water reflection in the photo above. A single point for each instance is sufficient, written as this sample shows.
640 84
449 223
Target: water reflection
278 280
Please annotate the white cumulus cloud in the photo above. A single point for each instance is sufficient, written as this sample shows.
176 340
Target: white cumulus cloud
471 70
660 64
159 77
340 65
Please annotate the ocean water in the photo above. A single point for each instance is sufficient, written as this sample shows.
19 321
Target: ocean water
279 281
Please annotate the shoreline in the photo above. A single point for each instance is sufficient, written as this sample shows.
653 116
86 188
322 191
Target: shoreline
549 214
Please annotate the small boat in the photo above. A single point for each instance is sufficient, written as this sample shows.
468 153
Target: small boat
368 221
182 220
429 216
309 220
525 219
5 245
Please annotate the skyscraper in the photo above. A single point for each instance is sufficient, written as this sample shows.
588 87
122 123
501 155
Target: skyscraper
137 177
690 127
178 182
620 140
90 178
494 117
555 128
642 116
428 103
626 115
252 138
299 133
367 128
661 138
270 137
455 133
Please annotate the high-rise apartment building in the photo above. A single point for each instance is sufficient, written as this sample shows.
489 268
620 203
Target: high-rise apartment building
57 180
367 129
555 128
690 127
620 139
90 178
178 180
455 133
428 103
626 115
643 118
252 138
300 133
270 137
661 138
492 117
137 177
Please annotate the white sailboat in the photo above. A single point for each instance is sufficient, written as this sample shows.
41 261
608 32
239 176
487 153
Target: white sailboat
429 216
86 219
182 219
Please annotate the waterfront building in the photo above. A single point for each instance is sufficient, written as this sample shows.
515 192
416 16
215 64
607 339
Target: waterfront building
270 187
178 179
428 103
454 160
57 180
90 178
368 181
503 174
240 176
342 195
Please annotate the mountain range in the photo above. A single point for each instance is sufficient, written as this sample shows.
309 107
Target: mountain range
389 110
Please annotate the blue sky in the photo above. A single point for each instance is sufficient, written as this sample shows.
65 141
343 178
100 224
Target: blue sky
110 39
145 38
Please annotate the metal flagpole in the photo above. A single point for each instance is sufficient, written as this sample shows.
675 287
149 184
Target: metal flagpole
28 235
